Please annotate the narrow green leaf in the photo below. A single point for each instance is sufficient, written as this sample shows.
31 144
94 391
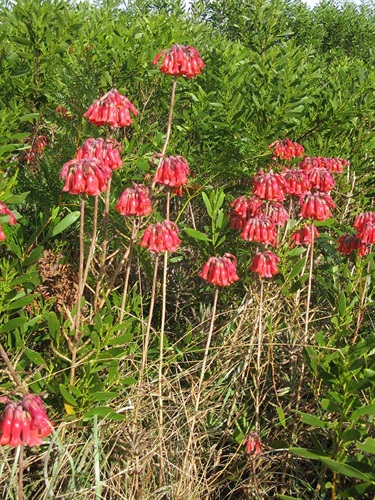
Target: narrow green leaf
297 268
67 396
368 446
308 419
35 357
363 410
122 339
303 452
344 469
24 301
65 223
197 235
13 324
207 203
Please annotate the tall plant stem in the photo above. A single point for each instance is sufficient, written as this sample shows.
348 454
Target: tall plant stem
362 305
20 474
201 379
92 245
170 116
128 268
79 291
12 372
307 317
259 357
105 240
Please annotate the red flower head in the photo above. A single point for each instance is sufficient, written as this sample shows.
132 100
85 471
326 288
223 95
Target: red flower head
316 206
161 237
261 229
4 210
309 162
220 271
243 208
134 201
107 151
172 170
85 176
362 219
321 179
277 213
265 264
253 444
296 182
269 186
367 232
336 165
348 243
303 235
286 149
111 109
2 234
180 60
24 423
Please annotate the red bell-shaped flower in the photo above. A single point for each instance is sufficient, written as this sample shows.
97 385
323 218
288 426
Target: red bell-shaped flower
4 210
172 171
265 264
304 235
180 60
111 109
220 271
348 243
269 186
286 149
161 237
107 151
261 229
362 219
321 179
296 182
87 176
253 444
316 205
135 201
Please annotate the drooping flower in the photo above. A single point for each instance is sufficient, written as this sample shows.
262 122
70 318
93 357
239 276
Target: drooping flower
253 444
4 210
107 151
269 186
180 60
265 264
321 179
242 208
296 182
87 176
286 149
161 237
134 201
362 219
334 165
304 235
172 171
348 243
276 212
24 423
111 109
366 233
316 205
2 234
220 271
261 229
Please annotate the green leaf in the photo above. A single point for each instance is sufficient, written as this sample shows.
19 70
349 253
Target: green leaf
29 117
67 396
65 223
303 452
368 446
207 203
35 357
24 301
103 396
308 419
53 324
363 410
197 235
104 412
34 256
341 304
297 268
287 497
344 469
129 381
13 324
122 339
281 416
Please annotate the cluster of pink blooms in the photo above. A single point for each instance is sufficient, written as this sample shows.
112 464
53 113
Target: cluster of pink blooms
106 150
334 165
265 264
364 224
253 444
24 423
286 149
161 237
87 176
38 145
112 109
135 201
180 60
4 210
304 235
172 171
220 271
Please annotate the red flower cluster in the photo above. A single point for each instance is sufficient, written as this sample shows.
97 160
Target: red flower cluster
86 176
304 235
4 210
269 186
261 229
243 208
365 226
171 171
296 182
220 271
24 423
316 205
161 237
334 165
286 149
321 179
180 60
348 243
253 444
135 201
38 145
111 109
107 151
265 264
277 213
